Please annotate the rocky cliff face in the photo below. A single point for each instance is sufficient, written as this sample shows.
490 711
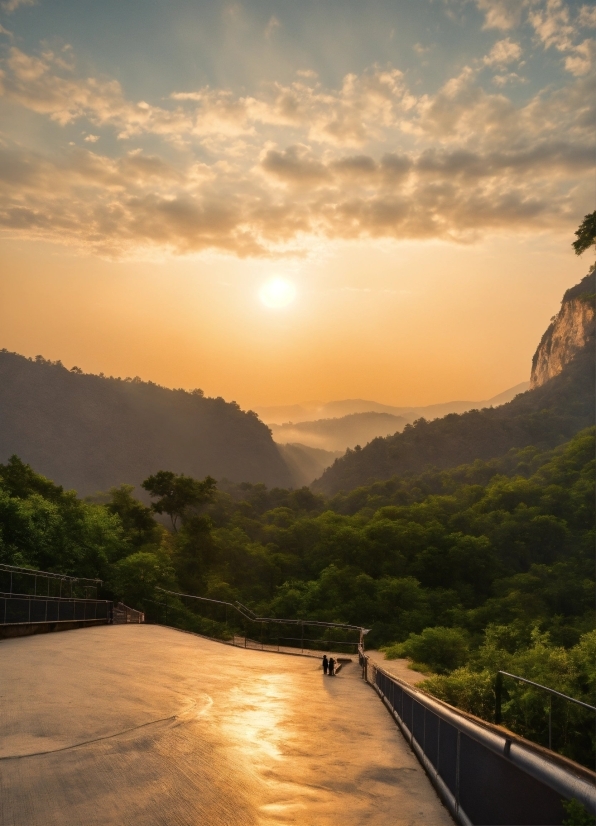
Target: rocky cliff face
568 333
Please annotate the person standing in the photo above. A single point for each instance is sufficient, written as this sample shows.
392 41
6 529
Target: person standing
331 667
325 663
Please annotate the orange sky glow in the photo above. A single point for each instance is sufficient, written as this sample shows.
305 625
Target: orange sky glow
416 193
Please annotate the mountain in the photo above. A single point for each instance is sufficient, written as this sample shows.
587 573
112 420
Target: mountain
316 411
338 434
306 463
569 331
90 432
560 404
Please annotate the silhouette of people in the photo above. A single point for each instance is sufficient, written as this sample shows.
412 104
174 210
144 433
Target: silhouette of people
331 667
325 663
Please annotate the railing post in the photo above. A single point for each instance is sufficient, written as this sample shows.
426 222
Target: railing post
550 721
457 772
498 697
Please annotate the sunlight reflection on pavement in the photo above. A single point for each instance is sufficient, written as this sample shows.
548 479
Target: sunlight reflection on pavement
147 725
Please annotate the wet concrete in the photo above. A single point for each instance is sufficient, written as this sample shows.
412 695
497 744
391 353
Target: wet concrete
146 725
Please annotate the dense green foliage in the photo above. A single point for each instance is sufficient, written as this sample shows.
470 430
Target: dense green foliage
544 417
525 709
486 566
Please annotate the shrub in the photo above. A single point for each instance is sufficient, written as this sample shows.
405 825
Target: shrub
471 691
440 649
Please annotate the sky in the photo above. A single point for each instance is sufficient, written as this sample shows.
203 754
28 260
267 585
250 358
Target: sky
280 202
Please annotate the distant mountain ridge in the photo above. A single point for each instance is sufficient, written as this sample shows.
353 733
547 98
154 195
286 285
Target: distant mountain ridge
544 417
89 432
339 434
316 411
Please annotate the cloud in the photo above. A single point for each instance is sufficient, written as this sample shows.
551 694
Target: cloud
502 53
12 5
581 61
139 204
350 115
553 25
501 14
295 165
554 28
510 77
47 85
587 17
264 174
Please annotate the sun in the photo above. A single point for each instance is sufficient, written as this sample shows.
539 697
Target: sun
277 293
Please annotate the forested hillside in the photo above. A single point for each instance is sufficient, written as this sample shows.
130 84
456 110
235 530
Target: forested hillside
90 432
544 417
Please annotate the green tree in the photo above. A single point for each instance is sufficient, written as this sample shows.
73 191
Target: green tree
137 520
178 494
586 234
135 578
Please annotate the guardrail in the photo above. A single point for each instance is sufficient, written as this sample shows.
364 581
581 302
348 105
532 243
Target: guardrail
122 614
483 773
550 691
25 609
27 581
272 631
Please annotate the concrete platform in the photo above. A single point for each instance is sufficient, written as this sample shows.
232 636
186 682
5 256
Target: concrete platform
145 725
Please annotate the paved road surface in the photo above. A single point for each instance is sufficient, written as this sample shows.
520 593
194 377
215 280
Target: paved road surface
148 726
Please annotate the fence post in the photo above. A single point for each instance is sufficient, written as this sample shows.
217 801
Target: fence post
498 697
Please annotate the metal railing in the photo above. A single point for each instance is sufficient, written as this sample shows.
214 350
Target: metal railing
122 614
550 691
29 582
230 618
483 773
23 609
